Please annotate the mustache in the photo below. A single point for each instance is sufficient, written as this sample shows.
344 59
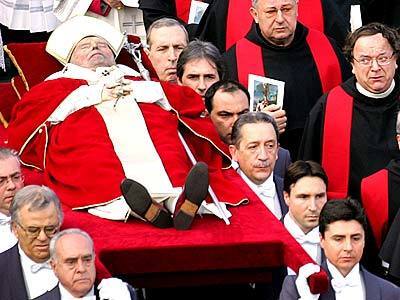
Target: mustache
262 164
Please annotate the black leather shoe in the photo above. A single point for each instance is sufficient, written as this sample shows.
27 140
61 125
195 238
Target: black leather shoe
141 203
194 193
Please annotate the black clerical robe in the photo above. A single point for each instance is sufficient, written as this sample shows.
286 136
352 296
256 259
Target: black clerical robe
307 70
366 147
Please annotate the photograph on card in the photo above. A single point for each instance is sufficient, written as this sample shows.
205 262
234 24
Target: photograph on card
265 91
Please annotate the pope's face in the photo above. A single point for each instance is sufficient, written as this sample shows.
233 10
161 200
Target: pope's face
92 52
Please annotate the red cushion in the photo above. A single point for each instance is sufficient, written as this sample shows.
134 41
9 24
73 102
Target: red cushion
8 99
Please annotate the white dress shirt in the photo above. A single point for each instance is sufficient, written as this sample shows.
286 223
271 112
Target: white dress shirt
7 237
266 192
349 287
39 282
309 241
65 295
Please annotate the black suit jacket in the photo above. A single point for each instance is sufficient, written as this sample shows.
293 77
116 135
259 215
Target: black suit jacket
12 284
55 294
283 162
376 288
279 190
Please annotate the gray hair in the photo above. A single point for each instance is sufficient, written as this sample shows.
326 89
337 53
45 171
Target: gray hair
7 153
58 235
251 118
165 22
200 50
37 198
254 2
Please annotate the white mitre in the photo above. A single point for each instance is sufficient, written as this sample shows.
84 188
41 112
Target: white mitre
65 37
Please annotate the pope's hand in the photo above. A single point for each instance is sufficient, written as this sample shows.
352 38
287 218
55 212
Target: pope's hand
114 3
278 114
116 90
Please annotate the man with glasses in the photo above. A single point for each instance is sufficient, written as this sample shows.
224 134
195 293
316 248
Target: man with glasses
279 47
72 260
36 217
350 130
11 181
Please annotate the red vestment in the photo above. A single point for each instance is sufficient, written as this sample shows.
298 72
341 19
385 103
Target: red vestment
77 155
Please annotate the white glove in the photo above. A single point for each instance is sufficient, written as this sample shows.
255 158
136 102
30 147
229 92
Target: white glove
113 289
301 282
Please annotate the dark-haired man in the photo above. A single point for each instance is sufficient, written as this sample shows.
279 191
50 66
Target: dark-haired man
11 181
342 225
254 147
225 101
199 66
304 191
355 122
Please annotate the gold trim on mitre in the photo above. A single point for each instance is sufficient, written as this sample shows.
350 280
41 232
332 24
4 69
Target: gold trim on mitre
65 37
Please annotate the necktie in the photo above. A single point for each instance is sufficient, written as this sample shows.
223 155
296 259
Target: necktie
308 238
267 191
339 284
37 267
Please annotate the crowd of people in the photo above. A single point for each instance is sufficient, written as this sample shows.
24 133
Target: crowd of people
119 143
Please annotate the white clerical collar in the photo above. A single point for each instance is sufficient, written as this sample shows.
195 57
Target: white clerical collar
65 295
76 72
297 233
269 183
378 95
335 273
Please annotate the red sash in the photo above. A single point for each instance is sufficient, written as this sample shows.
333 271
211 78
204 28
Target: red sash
375 199
249 60
336 141
235 29
325 58
311 14
183 9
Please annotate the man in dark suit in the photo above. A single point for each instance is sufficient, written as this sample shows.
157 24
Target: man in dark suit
36 216
225 101
254 146
342 226
72 260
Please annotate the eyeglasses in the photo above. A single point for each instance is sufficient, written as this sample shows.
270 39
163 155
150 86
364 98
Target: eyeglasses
381 60
15 178
33 231
273 12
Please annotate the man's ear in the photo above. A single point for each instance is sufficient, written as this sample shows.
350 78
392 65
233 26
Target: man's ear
254 14
286 197
14 229
233 152
146 50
